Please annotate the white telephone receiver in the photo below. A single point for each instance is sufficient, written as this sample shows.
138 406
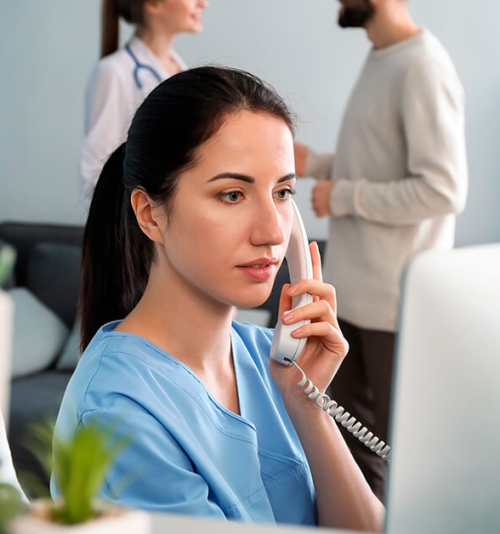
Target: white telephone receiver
284 348
287 350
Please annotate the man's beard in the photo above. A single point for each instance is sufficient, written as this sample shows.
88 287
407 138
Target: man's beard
356 16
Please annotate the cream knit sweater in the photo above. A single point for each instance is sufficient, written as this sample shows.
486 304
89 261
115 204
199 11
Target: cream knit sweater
401 176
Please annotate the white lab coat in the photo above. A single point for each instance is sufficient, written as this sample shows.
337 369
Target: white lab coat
112 98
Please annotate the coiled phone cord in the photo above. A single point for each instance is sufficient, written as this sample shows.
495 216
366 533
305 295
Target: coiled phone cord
344 418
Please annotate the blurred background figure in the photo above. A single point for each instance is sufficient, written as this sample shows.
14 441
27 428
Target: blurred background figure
392 190
124 77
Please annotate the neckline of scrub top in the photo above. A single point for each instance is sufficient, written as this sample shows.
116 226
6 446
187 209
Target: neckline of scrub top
108 330
146 56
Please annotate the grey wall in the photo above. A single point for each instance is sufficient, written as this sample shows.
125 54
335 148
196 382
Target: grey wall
49 46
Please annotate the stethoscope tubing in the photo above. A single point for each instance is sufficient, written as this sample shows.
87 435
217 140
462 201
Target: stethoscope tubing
139 66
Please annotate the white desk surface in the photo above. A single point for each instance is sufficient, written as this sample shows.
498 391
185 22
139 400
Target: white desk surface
170 524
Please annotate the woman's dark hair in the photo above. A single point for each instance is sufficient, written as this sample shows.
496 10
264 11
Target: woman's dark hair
167 130
130 10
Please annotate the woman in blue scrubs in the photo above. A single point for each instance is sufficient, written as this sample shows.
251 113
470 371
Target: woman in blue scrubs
191 218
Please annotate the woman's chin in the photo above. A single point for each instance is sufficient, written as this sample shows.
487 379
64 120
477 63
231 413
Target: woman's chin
194 26
253 301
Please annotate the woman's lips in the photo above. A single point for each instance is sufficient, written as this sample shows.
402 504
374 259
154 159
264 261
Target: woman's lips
261 274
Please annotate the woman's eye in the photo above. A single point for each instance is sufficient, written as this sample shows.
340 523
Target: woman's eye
233 197
230 198
286 194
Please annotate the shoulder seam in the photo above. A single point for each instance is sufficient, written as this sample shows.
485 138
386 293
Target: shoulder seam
94 373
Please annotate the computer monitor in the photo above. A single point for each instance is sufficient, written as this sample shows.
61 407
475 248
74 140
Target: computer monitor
444 475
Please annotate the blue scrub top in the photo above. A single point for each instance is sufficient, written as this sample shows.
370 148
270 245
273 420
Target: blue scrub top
190 454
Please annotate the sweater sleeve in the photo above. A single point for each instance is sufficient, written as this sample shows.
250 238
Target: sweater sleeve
432 111
319 166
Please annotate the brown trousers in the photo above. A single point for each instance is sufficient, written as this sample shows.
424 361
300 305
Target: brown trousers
363 387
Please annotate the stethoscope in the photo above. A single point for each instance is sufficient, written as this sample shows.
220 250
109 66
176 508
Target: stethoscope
139 66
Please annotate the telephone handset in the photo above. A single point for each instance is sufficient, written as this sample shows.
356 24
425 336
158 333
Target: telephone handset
287 350
284 348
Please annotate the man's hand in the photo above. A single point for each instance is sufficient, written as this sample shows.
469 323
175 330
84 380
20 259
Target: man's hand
321 197
300 151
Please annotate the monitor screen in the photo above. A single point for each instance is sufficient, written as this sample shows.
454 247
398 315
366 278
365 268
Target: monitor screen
444 470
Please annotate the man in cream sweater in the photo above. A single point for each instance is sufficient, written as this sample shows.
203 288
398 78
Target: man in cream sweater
392 190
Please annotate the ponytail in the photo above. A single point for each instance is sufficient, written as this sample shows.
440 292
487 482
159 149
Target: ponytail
130 10
116 255
110 29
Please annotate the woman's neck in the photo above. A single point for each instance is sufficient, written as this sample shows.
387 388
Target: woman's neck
160 43
185 323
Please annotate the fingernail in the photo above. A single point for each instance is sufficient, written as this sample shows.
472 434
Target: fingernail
287 317
292 290
297 332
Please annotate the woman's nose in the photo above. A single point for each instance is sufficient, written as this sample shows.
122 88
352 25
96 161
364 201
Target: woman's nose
268 226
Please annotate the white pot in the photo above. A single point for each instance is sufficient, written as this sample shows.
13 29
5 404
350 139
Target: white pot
116 520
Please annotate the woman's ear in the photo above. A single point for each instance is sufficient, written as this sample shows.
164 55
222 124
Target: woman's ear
152 6
146 214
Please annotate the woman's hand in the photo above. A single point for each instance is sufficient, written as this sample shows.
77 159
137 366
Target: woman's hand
326 346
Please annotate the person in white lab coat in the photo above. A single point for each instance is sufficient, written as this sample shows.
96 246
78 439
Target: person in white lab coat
124 77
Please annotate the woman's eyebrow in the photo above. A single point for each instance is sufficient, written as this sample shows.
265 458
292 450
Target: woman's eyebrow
248 179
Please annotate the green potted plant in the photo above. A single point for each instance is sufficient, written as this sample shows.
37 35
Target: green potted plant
79 469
